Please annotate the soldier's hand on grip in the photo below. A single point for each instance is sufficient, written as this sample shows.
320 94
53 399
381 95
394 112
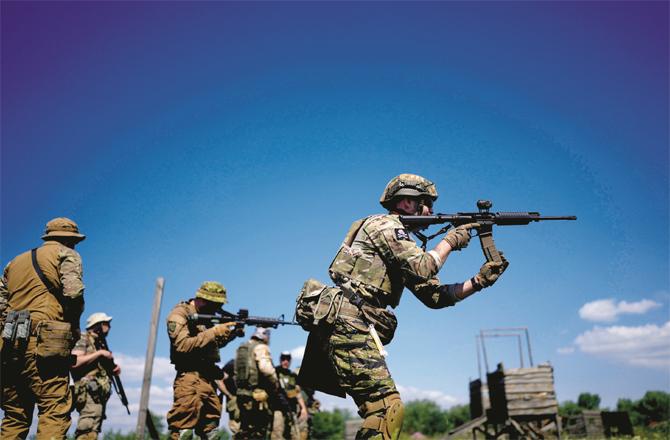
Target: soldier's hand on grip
459 237
223 331
491 271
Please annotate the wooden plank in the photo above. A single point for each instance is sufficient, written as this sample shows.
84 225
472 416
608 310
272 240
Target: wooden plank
149 359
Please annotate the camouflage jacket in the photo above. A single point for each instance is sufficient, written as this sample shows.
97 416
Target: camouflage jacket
378 259
22 289
94 371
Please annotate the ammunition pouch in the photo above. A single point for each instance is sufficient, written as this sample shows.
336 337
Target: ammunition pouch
17 329
383 320
317 305
54 338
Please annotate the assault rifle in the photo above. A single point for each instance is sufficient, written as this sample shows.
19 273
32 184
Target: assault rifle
242 317
118 386
485 219
109 369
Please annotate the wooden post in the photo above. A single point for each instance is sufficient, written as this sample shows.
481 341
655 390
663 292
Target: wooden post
149 359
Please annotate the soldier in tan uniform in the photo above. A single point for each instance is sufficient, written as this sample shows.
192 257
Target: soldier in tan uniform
194 351
92 385
46 284
257 386
376 261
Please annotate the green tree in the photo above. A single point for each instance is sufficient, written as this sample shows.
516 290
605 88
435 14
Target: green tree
588 401
456 416
628 406
569 408
654 407
424 416
329 425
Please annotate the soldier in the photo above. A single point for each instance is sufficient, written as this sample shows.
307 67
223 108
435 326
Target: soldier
286 424
257 386
231 399
194 351
376 261
92 385
313 406
42 290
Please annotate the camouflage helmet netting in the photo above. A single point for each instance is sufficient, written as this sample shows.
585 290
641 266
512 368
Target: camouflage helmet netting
407 185
212 291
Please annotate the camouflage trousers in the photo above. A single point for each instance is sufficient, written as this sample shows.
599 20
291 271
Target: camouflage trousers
255 419
91 408
361 370
29 380
196 405
284 426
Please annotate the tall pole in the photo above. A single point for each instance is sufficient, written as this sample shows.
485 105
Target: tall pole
149 359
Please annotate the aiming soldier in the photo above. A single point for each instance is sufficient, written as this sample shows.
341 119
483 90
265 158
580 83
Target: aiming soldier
92 385
376 261
194 351
41 300
286 423
257 386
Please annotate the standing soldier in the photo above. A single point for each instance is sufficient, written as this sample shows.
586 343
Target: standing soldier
257 386
376 261
286 424
194 351
230 390
92 385
313 406
41 300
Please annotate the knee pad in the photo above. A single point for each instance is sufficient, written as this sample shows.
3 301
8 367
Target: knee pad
384 415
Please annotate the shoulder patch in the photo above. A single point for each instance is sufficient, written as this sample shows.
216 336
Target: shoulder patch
402 234
172 326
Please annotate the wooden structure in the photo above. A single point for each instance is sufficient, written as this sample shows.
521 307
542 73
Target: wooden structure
517 402
599 424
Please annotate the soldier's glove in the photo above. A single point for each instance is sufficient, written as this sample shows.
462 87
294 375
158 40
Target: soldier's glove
459 237
489 273
222 332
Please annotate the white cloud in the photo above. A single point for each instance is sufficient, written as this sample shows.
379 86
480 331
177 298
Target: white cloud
642 346
132 368
606 310
411 393
297 354
566 350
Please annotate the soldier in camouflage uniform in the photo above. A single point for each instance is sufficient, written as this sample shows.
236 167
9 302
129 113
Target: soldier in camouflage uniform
376 261
92 385
286 424
47 283
194 351
313 407
257 386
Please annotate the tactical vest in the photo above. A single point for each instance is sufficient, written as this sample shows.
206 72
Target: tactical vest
288 380
360 263
247 376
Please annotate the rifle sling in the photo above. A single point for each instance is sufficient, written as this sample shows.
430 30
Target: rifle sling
57 293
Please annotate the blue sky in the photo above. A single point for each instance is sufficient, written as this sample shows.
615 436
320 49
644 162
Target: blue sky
238 141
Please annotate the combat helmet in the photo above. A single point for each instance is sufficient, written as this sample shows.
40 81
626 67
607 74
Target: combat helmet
212 291
62 227
407 185
96 318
